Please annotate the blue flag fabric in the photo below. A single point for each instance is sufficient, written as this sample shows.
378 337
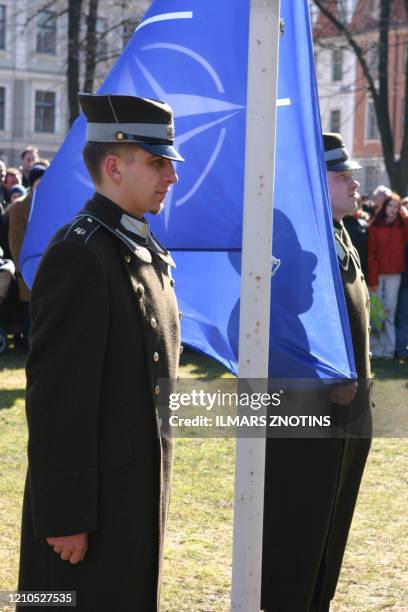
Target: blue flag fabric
195 58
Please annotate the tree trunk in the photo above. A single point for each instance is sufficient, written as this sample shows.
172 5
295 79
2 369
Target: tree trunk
398 174
90 46
74 21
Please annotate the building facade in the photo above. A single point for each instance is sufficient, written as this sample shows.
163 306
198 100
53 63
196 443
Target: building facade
367 144
33 68
345 101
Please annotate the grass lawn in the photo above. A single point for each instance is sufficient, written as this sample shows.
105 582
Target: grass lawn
198 548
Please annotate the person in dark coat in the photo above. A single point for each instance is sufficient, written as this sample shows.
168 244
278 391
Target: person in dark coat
105 330
311 485
3 205
357 228
18 214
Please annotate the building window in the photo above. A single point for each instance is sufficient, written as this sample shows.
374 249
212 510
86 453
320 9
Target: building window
376 10
314 13
47 32
371 125
45 111
2 107
101 28
370 182
335 120
341 10
337 65
372 58
2 26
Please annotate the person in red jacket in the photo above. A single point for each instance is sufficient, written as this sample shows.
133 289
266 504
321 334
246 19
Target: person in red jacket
387 235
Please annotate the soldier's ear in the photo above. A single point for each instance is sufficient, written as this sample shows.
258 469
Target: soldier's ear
111 169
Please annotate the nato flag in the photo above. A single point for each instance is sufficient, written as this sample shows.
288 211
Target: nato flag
194 56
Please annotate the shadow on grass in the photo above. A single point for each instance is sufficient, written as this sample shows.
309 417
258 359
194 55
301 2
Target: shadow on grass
201 366
392 368
14 359
8 397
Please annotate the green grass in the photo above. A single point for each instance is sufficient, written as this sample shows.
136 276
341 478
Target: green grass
197 569
13 463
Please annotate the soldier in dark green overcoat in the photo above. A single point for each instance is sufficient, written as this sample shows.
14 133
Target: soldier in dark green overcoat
311 485
105 330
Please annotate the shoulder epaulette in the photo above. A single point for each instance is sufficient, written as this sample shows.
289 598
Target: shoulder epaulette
82 229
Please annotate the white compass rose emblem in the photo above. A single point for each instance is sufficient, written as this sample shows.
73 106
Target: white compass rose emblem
188 105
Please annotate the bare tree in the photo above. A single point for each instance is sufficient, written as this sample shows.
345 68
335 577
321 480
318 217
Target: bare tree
86 46
100 52
94 48
91 46
376 76
73 59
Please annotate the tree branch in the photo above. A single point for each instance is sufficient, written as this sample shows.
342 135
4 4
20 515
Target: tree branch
90 45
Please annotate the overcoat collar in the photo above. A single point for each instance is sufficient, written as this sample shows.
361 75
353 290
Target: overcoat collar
133 232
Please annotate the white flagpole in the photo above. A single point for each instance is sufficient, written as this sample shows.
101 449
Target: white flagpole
255 292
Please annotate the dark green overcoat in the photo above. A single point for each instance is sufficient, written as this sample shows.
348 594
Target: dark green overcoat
105 329
311 485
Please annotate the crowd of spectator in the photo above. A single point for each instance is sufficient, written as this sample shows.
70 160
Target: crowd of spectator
17 186
379 231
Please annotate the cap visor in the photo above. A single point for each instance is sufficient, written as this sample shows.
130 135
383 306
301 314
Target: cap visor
345 165
167 151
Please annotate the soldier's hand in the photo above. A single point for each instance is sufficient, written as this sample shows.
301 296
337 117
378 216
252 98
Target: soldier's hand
71 548
343 394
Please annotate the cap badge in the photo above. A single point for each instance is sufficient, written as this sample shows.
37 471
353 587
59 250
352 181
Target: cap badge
119 136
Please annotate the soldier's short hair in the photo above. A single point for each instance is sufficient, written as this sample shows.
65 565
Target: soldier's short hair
95 152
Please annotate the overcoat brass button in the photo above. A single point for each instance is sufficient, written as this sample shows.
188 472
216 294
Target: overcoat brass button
155 356
157 390
153 322
181 349
127 258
